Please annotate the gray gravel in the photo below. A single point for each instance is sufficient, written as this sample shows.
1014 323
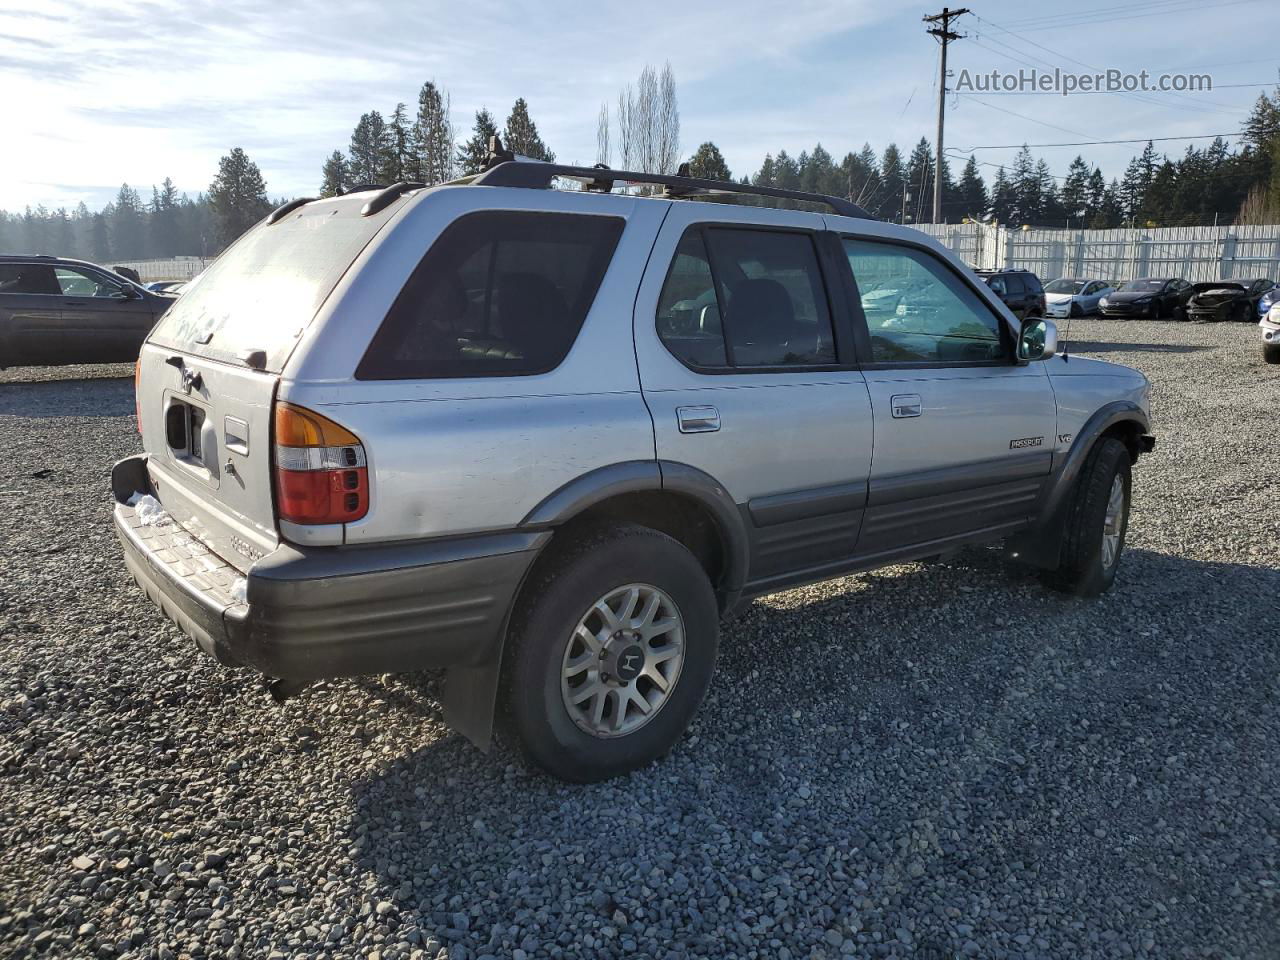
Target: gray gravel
927 761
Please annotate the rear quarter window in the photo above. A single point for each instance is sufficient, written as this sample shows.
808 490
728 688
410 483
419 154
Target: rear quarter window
500 293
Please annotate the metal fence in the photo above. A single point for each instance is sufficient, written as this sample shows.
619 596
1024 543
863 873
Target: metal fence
175 268
1194 253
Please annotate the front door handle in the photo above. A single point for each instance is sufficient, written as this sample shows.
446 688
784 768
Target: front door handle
698 419
906 405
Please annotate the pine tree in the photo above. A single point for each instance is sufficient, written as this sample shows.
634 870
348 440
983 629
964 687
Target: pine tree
521 134
237 196
786 172
164 220
335 178
1004 198
893 183
920 179
972 192
127 240
820 174
435 134
1097 198
1074 196
401 161
708 163
767 175
1027 188
368 149
473 152
62 236
100 239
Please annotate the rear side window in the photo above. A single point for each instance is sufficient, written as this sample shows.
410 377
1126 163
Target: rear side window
28 278
500 293
745 298
1016 286
1032 282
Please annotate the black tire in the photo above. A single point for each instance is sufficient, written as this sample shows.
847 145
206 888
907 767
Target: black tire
559 594
1082 570
1271 352
1076 310
1180 314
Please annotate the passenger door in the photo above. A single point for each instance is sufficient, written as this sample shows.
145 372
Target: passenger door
30 314
963 435
103 321
749 380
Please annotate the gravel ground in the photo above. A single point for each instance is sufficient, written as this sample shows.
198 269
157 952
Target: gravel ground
927 761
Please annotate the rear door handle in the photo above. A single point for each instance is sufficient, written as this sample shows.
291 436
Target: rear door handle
698 419
906 405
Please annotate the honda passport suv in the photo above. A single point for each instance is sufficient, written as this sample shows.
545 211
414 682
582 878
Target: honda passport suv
551 439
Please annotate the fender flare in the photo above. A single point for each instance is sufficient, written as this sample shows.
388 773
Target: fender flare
668 476
1041 544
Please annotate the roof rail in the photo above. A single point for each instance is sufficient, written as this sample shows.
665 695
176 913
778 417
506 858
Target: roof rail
388 196
282 211
534 174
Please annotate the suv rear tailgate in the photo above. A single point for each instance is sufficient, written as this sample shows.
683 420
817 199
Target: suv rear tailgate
207 427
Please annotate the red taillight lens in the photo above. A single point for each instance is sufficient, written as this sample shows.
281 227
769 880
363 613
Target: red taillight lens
320 469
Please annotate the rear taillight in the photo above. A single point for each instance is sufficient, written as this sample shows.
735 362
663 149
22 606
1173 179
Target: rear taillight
320 469
137 407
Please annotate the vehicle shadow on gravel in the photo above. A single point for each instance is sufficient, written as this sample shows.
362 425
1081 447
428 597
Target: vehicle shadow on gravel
953 726
92 397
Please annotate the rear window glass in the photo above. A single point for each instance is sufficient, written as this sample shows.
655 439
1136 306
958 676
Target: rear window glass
500 293
28 278
266 288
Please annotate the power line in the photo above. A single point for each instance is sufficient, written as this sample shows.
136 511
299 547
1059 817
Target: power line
1082 17
1094 143
1023 116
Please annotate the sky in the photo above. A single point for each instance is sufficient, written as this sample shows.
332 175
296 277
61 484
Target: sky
94 93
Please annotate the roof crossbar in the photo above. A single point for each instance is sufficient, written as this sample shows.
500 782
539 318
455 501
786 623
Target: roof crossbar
504 171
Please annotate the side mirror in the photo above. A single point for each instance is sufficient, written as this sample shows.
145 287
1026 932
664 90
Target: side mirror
1038 339
127 293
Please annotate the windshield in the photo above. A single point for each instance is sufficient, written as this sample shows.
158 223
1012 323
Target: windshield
264 290
1142 286
1065 286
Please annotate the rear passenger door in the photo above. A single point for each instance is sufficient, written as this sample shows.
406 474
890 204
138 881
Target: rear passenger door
30 314
963 435
749 379
102 321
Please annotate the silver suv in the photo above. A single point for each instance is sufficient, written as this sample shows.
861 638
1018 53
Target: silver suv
550 438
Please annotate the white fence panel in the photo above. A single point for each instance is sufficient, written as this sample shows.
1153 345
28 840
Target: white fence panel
175 268
1195 253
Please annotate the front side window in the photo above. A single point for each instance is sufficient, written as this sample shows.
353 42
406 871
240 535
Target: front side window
78 283
746 298
500 293
28 278
919 311
997 285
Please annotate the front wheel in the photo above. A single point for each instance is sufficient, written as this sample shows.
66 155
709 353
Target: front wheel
1271 352
611 651
1097 520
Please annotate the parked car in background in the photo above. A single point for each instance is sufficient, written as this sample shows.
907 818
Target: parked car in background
1218 300
1019 289
1268 298
1270 325
1148 298
608 466
1074 296
55 311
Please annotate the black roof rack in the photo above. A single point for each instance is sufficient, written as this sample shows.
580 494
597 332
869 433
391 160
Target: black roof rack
504 170
388 196
282 211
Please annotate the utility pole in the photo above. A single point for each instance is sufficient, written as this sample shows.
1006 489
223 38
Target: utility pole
942 30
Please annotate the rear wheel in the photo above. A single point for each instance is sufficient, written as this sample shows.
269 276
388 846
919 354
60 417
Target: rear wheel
1096 523
1271 352
611 651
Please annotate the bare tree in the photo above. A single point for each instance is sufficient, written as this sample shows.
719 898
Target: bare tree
649 122
626 128
603 153
668 122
